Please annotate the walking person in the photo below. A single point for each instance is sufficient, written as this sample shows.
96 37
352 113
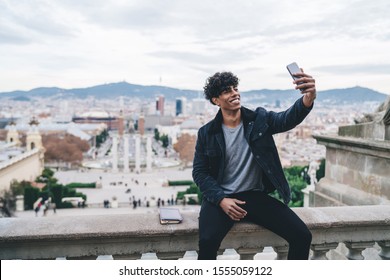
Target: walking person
236 165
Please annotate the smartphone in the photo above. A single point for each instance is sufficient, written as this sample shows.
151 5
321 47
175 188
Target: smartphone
293 68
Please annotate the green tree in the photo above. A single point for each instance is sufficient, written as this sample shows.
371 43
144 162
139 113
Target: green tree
156 134
31 194
47 177
101 138
165 141
295 178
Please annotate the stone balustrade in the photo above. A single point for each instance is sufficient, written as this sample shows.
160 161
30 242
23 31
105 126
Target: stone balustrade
129 236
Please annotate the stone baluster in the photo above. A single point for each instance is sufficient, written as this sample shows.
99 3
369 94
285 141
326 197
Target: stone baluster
320 250
355 249
220 252
281 251
82 258
248 253
385 249
135 256
170 255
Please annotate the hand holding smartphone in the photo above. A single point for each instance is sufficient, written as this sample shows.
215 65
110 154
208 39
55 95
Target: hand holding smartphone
293 68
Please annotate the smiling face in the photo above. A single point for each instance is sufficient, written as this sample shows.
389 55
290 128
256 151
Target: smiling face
228 100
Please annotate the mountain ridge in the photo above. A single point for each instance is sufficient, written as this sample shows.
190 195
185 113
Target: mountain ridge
114 90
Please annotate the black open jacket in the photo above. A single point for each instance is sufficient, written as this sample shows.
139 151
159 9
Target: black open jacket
259 126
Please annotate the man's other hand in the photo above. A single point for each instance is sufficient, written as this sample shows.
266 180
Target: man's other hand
231 207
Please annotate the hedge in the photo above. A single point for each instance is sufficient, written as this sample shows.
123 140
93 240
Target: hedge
81 185
180 183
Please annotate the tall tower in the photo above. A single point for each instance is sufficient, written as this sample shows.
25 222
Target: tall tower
33 139
12 134
121 125
141 125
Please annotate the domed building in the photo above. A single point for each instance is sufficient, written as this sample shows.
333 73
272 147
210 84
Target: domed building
100 116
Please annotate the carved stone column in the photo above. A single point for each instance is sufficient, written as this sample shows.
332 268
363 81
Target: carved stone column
127 257
385 249
170 255
355 249
248 253
126 154
137 154
114 152
149 154
82 258
281 251
320 250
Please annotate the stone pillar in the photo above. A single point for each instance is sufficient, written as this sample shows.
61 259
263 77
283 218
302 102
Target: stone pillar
137 154
114 152
149 154
141 125
126 154
120 123
357 166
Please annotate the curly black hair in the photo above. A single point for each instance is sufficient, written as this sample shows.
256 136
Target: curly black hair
218 83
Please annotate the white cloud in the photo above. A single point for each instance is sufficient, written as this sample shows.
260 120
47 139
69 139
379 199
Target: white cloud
81 43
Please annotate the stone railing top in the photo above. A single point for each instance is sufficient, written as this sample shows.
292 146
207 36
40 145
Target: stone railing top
136 225
365 145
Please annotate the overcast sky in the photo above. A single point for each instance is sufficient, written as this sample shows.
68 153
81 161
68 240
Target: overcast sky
179 43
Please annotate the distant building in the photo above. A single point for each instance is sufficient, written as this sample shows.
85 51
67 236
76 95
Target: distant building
160 105
21 163
152 121
181 104
198 106
94 117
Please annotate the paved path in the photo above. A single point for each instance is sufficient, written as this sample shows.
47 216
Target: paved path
150 187
123 186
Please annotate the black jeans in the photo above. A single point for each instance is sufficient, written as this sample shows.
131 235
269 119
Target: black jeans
263 210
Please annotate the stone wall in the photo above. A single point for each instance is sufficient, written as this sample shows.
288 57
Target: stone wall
357 172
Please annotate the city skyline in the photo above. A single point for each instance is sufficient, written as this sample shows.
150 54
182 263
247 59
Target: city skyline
176 44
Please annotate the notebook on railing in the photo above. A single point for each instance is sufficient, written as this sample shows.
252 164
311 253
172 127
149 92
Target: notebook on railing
170 216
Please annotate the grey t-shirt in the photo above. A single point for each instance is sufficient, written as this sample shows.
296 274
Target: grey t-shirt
241 172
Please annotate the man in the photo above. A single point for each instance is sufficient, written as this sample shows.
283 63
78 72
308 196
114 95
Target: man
236 165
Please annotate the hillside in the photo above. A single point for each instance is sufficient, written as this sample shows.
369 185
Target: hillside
114 90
